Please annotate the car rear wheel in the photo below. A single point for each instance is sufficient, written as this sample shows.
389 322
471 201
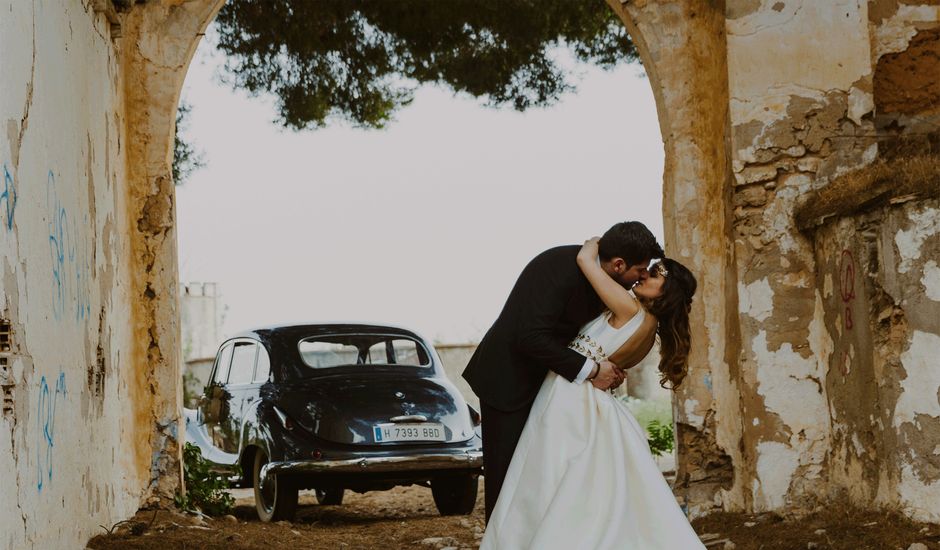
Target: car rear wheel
454 495
330 497
276 496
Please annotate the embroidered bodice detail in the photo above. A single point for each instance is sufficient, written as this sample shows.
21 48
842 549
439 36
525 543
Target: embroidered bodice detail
588 347
597 339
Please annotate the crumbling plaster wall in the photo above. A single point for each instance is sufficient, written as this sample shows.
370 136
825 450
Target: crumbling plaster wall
90 409
881 293
876 270
66 371
795 125
814 428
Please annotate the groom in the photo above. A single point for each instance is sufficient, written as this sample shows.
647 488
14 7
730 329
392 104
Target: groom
550 302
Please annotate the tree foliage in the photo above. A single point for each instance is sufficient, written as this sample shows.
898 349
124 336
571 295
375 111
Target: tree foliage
185 157
361 60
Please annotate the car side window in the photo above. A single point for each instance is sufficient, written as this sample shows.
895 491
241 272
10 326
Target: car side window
243 363
263 368
222 363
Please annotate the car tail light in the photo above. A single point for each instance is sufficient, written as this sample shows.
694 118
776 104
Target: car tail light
474 416
317 454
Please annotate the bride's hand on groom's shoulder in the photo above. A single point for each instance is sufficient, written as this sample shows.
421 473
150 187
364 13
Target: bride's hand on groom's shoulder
589 249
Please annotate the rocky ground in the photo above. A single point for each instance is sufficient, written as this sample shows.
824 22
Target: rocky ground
406 518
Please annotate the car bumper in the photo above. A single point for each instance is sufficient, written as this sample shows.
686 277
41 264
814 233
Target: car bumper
464 460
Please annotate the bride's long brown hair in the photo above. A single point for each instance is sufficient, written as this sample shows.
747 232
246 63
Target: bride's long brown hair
671 310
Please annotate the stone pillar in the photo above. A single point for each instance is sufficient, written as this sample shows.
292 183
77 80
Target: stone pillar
160 38
682 45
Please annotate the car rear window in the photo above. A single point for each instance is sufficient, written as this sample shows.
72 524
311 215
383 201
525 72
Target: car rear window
323 352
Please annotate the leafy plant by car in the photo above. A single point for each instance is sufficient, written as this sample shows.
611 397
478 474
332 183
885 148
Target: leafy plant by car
206 491
660 437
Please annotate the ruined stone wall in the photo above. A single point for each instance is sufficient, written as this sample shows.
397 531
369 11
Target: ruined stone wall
65 307
820 92
91 410
881 300
800 79
876 233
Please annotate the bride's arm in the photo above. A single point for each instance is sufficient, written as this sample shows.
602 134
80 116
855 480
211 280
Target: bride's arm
618 299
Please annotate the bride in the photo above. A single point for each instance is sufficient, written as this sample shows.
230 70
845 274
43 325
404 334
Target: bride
582 475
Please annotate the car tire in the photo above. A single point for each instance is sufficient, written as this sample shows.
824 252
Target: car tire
276 500
455 495
330 497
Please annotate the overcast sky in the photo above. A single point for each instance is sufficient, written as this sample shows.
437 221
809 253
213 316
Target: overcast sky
425 224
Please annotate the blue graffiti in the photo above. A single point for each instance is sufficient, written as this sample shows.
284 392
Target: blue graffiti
46 416
57 243
8 197
70 266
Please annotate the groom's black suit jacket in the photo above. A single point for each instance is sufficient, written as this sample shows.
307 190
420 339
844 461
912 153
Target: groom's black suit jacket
550 302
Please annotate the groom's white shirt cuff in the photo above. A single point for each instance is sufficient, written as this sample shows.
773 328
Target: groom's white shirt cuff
585 371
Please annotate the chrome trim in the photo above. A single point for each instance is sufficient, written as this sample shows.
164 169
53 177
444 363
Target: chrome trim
436 461
409 418
280 416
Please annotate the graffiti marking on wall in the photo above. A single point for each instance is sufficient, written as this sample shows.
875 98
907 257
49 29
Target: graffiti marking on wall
8 198
847 286
47 409
70 267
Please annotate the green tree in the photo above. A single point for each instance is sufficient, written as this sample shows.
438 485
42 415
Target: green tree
185 157
361 60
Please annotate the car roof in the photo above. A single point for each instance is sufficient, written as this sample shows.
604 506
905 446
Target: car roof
312 329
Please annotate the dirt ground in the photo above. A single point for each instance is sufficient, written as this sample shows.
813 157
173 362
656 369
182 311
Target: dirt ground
405 517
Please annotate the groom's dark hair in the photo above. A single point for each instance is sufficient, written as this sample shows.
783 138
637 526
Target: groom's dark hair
631 241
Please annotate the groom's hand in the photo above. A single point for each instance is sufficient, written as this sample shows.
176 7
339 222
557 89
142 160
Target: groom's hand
608 376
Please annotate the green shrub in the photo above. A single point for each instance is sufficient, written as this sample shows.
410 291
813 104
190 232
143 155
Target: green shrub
660 437
647 410
206 491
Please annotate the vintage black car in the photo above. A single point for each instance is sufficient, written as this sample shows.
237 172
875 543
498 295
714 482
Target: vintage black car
333 407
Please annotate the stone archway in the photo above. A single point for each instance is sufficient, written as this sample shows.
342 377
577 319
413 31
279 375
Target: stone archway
682 47
800 185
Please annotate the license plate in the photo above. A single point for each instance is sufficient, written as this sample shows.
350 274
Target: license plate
424 431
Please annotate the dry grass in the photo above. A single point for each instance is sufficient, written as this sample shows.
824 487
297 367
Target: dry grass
834 527
876 185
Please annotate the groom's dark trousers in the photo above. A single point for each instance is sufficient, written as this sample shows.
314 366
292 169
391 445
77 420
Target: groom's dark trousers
550 301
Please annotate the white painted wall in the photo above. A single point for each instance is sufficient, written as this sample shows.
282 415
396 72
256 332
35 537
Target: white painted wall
201 310
64 280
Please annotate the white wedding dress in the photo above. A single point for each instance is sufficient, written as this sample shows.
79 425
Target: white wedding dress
582 475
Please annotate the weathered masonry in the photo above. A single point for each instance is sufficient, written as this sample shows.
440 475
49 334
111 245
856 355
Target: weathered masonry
802 184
